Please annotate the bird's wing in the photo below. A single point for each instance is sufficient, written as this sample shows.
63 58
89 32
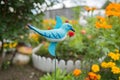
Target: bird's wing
53 34
52 48
58 22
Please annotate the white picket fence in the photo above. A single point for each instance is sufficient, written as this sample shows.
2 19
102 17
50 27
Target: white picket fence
48 65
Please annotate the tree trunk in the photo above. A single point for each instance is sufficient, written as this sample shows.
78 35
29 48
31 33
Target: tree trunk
1 53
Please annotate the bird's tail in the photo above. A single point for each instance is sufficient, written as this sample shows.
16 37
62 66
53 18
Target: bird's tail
52 48
34 29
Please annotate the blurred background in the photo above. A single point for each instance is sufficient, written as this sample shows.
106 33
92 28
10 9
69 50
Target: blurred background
15 15
97 26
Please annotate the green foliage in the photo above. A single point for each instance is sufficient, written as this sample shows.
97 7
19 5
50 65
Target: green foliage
43 51
60 75
76 11
6 64
15 14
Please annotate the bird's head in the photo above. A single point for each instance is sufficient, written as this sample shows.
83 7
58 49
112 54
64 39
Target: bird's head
67 27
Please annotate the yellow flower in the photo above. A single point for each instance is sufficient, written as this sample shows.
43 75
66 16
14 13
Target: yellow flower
111 64
45 21
10 45
98 77
74 22
5 45
114 56
119 77
110 54
15 44
115 70
34 36
116 50
104 65
95 68
107 65
77 72
53 22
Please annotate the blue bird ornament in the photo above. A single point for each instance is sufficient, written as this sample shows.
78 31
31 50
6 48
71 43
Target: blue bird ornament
59 33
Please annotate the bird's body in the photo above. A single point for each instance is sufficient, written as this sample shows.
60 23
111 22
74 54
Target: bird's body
55 35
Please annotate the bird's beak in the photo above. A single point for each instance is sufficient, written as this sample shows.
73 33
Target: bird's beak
72 29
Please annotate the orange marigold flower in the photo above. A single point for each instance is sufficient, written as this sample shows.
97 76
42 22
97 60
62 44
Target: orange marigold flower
107 26
87 78
112 9
98 25
77 72
92 76
94 8
102 23
87 8
101 19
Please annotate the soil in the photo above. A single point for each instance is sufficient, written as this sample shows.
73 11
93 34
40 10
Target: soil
19 72
26 72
